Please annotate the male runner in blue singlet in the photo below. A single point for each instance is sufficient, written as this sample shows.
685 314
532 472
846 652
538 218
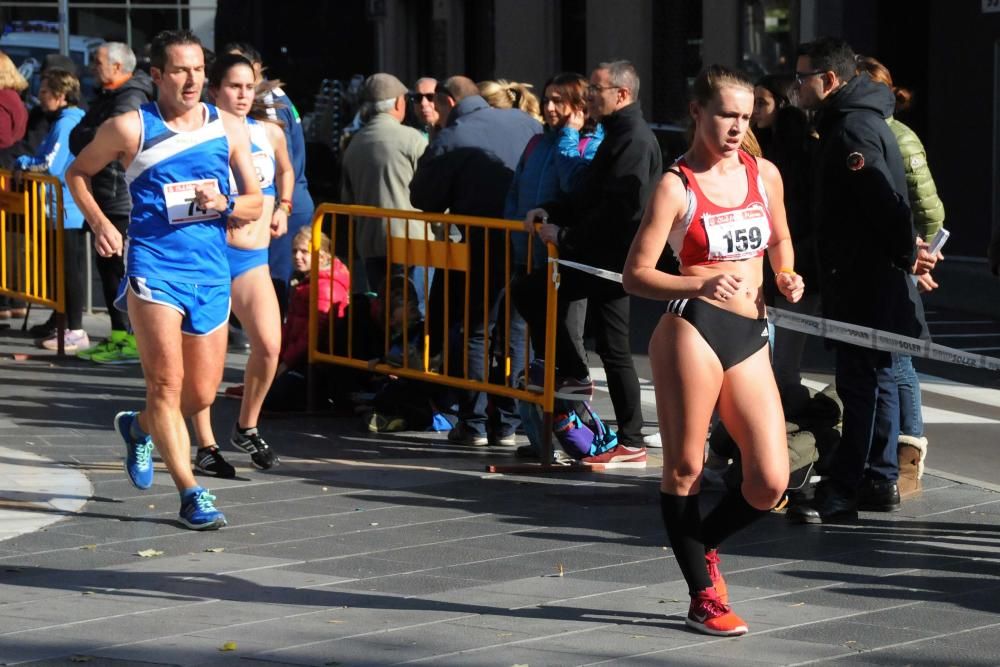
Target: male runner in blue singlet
177 153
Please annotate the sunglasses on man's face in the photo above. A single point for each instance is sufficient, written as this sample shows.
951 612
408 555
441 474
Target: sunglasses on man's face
417 97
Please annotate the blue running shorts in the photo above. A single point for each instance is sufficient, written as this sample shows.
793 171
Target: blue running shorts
205 307
241 261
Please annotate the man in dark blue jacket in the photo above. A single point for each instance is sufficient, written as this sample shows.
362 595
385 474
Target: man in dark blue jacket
467 170
867 249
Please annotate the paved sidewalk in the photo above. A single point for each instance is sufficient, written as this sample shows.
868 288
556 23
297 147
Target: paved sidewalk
400 549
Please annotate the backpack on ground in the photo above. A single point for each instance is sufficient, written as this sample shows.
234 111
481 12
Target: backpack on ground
577 428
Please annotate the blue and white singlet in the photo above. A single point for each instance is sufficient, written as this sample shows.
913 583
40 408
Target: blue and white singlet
169 237
263 159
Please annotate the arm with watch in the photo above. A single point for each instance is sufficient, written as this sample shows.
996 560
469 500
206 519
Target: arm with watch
244 208
236 209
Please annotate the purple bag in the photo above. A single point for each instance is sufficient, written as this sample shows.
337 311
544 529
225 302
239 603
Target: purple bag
581 432
573 436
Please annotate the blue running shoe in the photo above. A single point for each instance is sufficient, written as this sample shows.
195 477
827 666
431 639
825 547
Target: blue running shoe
198 512
139 453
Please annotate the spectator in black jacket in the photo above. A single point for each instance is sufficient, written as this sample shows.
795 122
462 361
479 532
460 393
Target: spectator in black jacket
867 249
467 170
596 228
123 89
786 139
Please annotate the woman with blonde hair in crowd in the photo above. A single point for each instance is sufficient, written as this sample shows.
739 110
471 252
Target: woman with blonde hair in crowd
503 94
13 124
718 209
928 219
13 113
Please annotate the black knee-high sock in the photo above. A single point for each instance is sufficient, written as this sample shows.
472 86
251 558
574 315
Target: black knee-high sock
683 523
733 514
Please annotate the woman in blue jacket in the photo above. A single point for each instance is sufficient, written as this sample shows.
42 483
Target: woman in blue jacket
58 97
551 167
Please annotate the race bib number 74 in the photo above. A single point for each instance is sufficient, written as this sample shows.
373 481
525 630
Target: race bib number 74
182 207
735 235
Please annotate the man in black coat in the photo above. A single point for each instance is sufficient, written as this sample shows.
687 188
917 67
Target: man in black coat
123 89
467 170
596 227
867 251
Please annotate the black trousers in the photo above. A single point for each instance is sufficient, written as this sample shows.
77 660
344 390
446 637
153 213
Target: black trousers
74 260
112 270
608 309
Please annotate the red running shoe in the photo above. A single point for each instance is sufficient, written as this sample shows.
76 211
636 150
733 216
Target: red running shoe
621 456
712 561
709 615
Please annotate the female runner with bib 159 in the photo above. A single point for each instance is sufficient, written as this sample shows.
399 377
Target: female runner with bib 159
719 209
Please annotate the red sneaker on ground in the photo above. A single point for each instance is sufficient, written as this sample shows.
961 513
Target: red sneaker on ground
712 561
709 615
621 456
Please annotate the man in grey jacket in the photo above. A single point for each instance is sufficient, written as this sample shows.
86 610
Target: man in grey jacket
378 166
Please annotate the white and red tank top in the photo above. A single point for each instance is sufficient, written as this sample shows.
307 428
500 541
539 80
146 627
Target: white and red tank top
710 233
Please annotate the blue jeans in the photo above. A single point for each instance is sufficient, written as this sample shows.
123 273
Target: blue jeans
867 386
911 418
473 412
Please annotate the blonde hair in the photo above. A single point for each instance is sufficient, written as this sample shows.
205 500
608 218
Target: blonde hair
9 76
304 235
707 85
504 94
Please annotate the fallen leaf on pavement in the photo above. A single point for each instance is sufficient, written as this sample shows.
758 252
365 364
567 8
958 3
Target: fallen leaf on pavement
228 646
148 553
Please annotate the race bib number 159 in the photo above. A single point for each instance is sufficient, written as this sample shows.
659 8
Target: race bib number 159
181 205
737 234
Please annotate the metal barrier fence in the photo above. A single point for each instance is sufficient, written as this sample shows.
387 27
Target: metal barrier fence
31 241
474 248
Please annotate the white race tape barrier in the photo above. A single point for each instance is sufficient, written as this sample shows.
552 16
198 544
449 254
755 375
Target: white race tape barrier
875 339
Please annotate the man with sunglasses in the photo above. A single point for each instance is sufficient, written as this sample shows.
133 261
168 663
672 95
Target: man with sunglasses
867 248
467 170
422 99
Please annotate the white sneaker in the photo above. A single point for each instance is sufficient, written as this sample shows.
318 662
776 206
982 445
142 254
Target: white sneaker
652 441
73 339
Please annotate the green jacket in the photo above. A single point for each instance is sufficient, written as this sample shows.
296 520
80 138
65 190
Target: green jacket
928 211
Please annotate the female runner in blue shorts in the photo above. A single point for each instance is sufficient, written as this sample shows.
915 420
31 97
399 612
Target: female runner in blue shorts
231 86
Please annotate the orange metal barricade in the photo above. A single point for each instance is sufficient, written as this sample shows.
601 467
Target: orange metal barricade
419 239
31 240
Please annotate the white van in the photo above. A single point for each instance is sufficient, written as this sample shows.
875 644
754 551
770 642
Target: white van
28 51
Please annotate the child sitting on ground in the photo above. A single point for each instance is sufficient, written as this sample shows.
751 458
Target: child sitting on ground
288 391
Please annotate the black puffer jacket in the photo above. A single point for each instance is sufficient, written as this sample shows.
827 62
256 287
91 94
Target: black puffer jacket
600 221
109 183
865 233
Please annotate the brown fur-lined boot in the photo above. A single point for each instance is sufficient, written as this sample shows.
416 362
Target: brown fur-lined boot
912 452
